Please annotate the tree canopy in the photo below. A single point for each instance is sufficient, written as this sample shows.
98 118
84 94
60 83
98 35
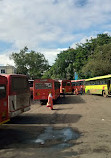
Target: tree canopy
99 63
88 59
63 67
30 63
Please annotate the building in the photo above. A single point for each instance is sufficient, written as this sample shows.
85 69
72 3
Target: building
7 69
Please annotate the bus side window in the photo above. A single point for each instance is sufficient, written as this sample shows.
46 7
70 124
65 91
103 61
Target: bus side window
64 84
68 84
80 83
2 91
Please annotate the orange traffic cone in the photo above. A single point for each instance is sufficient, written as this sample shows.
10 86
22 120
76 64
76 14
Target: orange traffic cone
50 101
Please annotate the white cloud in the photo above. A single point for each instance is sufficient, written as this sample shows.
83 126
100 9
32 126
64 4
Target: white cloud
51 54
33 22
51 24
4 60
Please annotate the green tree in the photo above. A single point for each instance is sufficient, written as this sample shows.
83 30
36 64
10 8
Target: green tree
30 63
63 67
86 50
79 60
99 63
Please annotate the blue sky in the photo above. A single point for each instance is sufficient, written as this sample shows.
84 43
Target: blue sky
50 26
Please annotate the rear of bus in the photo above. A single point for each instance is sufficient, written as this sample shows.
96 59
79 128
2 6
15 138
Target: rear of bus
4 116
18 94
42 88
66 87
78 84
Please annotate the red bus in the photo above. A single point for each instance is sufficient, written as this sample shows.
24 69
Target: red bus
65 86
42 88
78 84
4 117
18 94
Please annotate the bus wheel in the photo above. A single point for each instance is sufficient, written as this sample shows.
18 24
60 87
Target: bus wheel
104 94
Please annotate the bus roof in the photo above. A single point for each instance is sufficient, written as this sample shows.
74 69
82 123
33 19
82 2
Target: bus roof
17 75
99 77
77 80
64 80
45 80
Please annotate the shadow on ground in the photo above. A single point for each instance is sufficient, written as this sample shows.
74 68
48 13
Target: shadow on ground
45 119
70 99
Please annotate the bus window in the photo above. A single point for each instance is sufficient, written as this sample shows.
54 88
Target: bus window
57 85
43 85
4 113
64 84
2 91
68 83
19 84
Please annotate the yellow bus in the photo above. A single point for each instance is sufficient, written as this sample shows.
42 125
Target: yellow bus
98 85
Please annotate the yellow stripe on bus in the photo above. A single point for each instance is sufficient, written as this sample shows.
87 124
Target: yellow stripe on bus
4 121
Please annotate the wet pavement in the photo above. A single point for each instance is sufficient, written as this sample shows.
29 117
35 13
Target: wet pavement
57 138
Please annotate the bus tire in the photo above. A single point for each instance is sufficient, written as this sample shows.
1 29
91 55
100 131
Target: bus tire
104 94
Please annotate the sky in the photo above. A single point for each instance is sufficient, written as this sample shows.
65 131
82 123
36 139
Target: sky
50 26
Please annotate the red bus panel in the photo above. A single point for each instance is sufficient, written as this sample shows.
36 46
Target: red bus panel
65 86
18 94
42 88
4 117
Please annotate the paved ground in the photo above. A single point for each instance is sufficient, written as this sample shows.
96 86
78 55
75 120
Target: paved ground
79 127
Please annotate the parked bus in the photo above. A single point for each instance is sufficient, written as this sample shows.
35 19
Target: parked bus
42 88
78 84
4 117
18 94
98 85
65 86
31 87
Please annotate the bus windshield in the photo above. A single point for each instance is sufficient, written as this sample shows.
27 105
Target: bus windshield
68 84
43 85
19 83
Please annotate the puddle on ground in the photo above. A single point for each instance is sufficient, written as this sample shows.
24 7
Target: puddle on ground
57 138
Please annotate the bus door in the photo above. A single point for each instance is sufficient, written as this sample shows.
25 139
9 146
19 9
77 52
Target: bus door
3 100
